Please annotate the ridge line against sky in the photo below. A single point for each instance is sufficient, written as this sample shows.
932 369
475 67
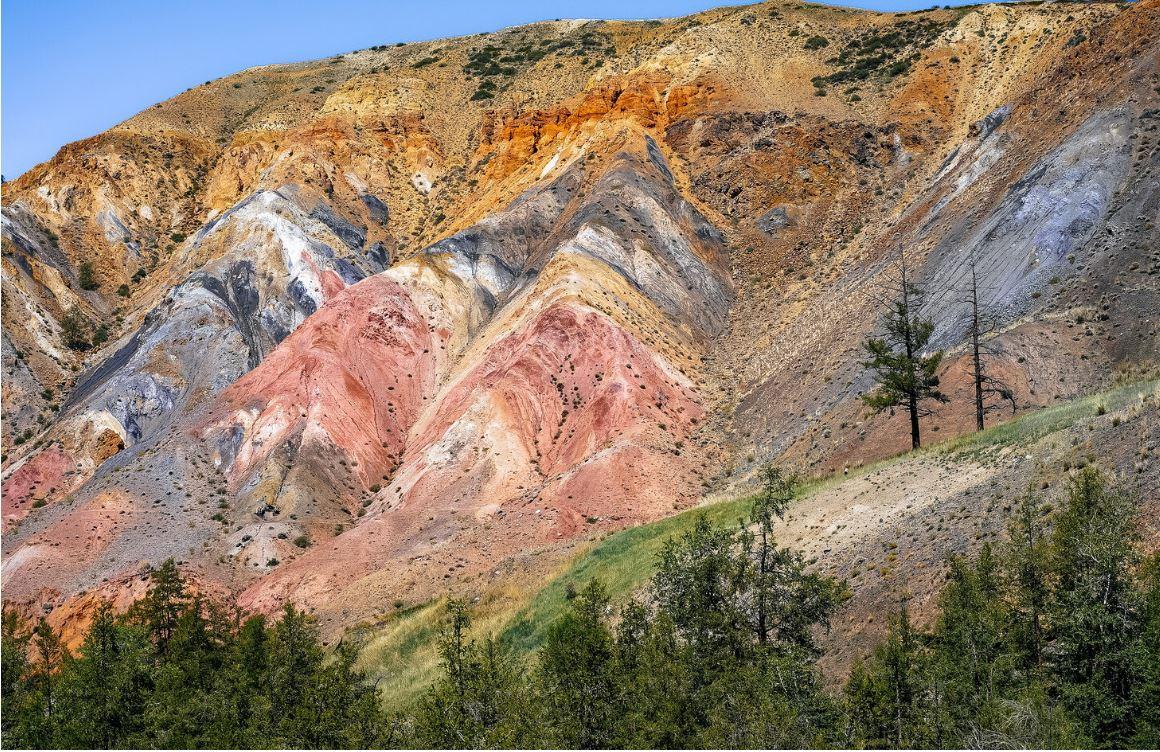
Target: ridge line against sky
73 69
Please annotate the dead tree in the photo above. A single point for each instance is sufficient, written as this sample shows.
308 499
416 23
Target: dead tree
987 386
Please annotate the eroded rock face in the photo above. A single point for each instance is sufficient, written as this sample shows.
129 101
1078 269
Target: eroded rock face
547 393
1038 232
278 266
444 335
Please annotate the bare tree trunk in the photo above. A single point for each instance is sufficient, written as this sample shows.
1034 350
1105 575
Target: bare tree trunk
762 625
915 437
912 397
977 359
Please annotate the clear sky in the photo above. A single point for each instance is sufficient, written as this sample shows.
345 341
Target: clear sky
73 68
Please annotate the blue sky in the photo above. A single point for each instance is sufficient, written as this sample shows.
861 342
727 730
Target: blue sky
72 68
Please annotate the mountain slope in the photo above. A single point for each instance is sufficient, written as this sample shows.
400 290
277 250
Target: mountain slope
408 319
885 530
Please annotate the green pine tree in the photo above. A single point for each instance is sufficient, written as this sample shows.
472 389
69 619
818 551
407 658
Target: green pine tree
482 698
886 693
16 707
1095 609
906 376
162 607
87 277
106 686
1027 572
578 674
1145 693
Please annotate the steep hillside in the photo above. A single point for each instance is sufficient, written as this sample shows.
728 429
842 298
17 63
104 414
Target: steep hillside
422 318
885 530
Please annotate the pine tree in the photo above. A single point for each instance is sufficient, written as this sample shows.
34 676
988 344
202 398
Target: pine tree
1027 569
482 698
295 659
885 692
901 664
1146 660
340 710
14 683
75 330
657 701
106 686
905 376
698 580
1095 609
51 655
736 618
777 491
242 687
186 668
87 277
970 668
578 674
162 607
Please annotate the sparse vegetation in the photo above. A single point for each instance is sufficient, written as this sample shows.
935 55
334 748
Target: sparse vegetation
553 587
1052 640
75 330
496 65
86 277
884 54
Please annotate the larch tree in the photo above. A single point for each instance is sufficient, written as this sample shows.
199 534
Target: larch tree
907 376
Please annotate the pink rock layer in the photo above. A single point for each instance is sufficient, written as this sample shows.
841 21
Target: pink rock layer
41 478
567 422
353 379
